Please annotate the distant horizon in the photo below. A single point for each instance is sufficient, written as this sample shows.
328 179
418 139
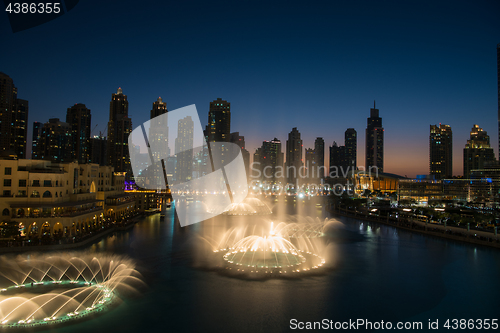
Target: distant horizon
360 144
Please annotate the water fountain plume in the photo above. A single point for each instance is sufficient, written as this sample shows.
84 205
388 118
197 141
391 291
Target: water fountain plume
249 206
60 288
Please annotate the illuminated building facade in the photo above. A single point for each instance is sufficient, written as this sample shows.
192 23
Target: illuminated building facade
184 149
62 199
319 158
270 161
351 147
343 159
374 141
56 142
441 151
219 121
293 156
79 119
119 128
477 151
13 119
158 132
35 146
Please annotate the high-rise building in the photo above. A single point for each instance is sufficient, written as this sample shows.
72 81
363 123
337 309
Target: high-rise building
35 146
343 159
441 151
78 117
374 141
257 163
56 142
238 139
351 148
477 151
119 128
13 119
98 150
159 108
219 127
293 156
310 164
337 160
20 127
184 149
319 158
219 121
158 132
158 141
270 160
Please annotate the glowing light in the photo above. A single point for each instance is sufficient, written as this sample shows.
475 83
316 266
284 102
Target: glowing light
80 282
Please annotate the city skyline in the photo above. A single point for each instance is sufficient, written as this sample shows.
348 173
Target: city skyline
346 58
159 101
327 151
274 163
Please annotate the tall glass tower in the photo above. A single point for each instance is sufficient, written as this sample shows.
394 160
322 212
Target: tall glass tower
119 128
374 141
441 151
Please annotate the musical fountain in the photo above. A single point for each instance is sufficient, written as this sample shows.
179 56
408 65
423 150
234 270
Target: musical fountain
261 250
249 206
47 290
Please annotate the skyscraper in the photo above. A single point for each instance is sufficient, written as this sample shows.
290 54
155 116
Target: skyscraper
56 142
98 150
13 119
374 141
441 151
257 164
270 158
159 108
351 148
238 139
337 161
293 156
219 127
119 128
184 149
219 121
310 164
477 151
78 117
35 147
319 158
158 132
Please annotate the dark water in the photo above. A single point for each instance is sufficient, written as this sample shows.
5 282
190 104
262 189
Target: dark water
380 274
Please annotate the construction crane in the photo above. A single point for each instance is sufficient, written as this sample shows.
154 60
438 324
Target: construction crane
93 129
101 134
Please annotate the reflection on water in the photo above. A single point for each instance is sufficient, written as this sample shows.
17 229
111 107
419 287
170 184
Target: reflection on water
380 274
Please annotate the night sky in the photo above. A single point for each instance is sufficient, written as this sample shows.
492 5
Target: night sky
314 66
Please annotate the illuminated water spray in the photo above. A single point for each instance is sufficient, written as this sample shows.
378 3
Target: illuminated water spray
48 290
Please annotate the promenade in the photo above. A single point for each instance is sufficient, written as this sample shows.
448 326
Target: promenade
69 244
472 236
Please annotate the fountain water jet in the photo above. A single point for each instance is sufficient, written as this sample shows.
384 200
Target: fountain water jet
249 206
57 289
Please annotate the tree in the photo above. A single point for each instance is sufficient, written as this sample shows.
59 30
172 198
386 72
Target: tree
9 229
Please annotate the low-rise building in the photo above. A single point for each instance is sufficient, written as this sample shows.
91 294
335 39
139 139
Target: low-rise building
62 199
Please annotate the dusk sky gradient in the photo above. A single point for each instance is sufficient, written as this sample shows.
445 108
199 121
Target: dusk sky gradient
316 66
